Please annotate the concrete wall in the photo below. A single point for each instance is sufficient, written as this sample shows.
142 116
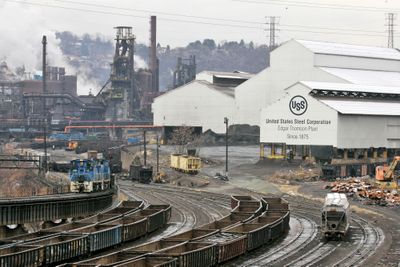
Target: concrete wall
290 63
194 104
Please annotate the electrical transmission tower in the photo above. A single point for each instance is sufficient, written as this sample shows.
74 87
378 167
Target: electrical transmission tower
390 17
272 23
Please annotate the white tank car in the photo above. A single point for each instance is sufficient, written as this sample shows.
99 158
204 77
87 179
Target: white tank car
335 219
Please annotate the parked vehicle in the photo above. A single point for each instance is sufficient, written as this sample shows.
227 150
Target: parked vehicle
141 174
387 176
89 175
185 163
251 224
335 217
80 239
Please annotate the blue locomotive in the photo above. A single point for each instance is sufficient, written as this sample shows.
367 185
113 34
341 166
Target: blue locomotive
89 175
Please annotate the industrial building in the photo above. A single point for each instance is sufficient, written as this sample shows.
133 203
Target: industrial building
342 99
126 96
347 117
349 95
298 60
202 103
22 97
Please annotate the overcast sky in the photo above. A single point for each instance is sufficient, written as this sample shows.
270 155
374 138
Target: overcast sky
22 23
180 22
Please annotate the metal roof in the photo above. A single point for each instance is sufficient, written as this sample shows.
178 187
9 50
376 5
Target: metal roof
351 50
336 199
362 107
366 77
348 87
229 91
229 75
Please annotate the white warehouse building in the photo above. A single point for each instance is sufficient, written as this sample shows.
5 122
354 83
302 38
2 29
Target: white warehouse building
298 60
202 103
346 116
349 94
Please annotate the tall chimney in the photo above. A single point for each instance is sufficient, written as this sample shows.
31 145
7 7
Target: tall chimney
153 61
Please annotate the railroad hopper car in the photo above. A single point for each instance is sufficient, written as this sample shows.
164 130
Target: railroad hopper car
81 239
250 225
335 217
185 163
89 175
140 173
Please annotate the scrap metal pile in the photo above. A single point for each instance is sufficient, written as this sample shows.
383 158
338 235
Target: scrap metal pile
363 188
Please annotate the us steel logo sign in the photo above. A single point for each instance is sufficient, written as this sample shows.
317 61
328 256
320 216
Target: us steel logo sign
298 105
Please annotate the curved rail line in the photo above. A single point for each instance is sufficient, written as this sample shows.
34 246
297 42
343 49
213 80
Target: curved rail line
52 207
187 216
371 240
185 203
302 231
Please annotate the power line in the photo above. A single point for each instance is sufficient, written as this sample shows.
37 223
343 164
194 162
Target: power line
209 18
338 32
316 5
128 15
158 12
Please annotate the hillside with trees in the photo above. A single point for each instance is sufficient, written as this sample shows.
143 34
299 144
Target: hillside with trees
94 54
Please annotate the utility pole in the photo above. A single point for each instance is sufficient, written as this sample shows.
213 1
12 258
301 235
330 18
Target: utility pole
144 149
158 155
272 29
226 121
390 18
44 42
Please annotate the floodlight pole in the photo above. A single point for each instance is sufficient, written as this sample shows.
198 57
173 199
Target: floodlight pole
226 121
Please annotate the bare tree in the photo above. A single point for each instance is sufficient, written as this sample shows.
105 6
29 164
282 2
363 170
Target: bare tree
181 137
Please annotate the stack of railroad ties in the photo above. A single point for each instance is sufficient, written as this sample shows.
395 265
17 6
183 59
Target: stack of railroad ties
365 189
250 224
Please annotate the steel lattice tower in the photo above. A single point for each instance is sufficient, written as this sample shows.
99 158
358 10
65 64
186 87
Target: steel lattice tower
390 24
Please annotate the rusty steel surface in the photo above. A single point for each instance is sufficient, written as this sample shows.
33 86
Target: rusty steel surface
52 207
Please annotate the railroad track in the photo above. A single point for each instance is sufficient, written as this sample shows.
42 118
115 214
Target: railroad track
193 207
302 245
302 231
371 239
52 207
366 242
183 223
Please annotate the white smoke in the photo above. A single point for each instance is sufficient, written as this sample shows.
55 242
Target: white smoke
140 63
22 28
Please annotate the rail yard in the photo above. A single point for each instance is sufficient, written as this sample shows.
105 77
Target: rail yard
163 223
249 155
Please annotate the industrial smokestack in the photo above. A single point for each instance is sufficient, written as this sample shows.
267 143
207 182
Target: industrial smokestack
45 117
153 61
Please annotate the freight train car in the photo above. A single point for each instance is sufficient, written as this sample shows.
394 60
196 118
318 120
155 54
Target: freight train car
335 219
78 240
185 163
250 225
140 173
89 175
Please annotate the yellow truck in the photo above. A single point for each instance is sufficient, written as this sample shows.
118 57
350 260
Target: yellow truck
185 163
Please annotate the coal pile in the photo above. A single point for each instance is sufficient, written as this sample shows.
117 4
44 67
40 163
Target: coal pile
240 134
